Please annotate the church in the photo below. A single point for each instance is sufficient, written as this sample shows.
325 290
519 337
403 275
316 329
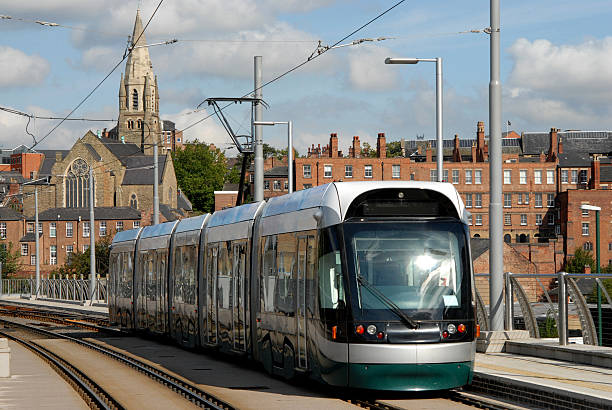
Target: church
121 158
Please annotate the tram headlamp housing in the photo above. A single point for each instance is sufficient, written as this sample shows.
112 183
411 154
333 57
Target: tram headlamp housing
359 329
452 329
371 329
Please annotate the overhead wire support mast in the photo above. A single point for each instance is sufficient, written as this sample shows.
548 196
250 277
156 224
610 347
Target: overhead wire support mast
321 48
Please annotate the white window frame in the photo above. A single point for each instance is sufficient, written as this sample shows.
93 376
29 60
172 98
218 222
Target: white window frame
564 176
119 226
69 229
538 219
102 228
53 255
585 229
306 170
86 230
396 171
327 171
276 185
507 177
135 224
30 227
33 259
478 200
550 176
507 200
550 200
433 175
25 248
508 219
551 219
574 176
2 230
455 175
477 176
69 249
348 171
478 219
367 170
538 200
523 177
523 219
537 176
468 176
53 230
468 200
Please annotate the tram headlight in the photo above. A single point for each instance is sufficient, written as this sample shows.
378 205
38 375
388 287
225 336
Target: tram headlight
371 329
452 329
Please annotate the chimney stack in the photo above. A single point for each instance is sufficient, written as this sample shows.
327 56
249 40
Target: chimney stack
356 147
480 141
428 153
554 145
596 173
560 145
381 145
333 145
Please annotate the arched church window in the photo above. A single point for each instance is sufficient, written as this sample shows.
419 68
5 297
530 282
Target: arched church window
507 238
130 124
135 99
134 201
76 185
139 124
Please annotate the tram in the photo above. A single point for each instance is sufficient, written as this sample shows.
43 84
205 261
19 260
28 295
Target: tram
364 285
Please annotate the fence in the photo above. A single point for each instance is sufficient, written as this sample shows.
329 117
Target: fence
569 291
67 289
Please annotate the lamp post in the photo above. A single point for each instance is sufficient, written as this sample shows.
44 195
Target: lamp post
36 240
438 62
597 209
289 146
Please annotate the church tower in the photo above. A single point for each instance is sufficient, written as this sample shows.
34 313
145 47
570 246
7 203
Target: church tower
138 96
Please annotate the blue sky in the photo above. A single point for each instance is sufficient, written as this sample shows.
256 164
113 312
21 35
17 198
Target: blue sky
556 65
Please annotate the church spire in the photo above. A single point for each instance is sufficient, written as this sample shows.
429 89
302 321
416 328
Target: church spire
138 63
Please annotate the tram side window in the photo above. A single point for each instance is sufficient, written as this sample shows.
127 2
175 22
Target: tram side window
285 282
189 272
268 272
178 274
224 275
331 287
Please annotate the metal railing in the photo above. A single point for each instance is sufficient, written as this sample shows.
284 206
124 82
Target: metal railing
564 286
63 288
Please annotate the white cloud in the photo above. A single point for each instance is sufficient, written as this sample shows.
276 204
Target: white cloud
208 131
19 69
367 69
99 57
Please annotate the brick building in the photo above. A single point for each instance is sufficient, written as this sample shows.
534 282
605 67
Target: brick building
171 139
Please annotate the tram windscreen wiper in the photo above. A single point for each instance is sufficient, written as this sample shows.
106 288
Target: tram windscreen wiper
381 296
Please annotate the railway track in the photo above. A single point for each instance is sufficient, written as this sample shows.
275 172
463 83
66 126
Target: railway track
186 390
93 395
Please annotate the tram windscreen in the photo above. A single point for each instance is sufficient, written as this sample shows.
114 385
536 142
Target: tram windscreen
419 266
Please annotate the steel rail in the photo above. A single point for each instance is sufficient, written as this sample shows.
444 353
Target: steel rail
190 392
91 392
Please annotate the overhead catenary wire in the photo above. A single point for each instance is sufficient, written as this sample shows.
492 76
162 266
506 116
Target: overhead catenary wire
278 77
104 79
41 117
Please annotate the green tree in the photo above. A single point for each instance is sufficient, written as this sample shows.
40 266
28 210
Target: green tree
9 259
199 172
367 151
394 149
581 258
233 174
78 262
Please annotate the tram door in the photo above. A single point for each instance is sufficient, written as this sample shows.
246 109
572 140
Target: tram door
238 318
304 242
211 295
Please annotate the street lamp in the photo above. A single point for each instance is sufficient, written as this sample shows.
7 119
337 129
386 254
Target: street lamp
289 146
35 182
597 209
438 62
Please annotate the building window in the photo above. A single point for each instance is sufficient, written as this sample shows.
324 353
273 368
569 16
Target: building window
119 226
53 255
507 200
585 229
507 176
412 176
135 99
470 220
76 185
139 124
551 219
520 199
585 212
286 185
574 176
478 219
276 186
538 200
550 176
85 229
53 230
610 246
32 259
558 229
433 175
68 229
69 250
468 200
306 170
478 176
538 219
85 247
24 249
327 171
455 176
537 176
103 228
136 224
523 219
307 186
550 200
583 177
587 246
526 199
368 171
468 176
564 176
134 201
478 200
267 185
2 230
348 171
445 174
523 176
507 219
40 228
395 171
30 227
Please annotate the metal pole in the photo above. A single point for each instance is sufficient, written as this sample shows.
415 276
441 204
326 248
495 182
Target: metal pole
562 309
509 308
290 154
439 118
259 160
599 318
37 242
496 262
155 184
92 239
0 279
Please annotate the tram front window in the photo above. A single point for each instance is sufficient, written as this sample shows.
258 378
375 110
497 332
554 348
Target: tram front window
418 266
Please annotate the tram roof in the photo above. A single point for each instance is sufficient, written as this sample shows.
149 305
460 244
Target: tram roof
158 230
234 215
124 236
298 200
191 224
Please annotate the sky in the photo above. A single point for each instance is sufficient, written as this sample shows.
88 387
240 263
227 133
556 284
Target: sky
556 66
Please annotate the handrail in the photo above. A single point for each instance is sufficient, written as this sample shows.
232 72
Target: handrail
61 288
